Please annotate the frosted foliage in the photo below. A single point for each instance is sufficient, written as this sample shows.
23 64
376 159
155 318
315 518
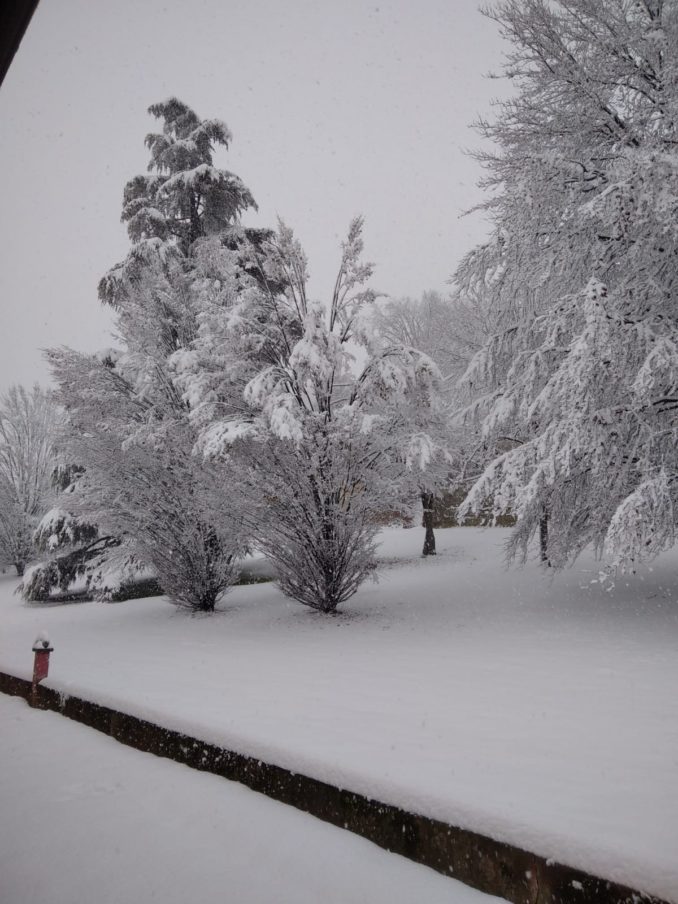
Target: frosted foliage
581 376
141 482
29 422
419 452
132 411
56 528
284 399
71 548
450 330
645 519
184 197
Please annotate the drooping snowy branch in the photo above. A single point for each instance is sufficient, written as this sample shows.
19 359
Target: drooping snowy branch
322 442
582 370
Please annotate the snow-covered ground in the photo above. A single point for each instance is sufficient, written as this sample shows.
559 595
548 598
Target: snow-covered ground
540 711
86 819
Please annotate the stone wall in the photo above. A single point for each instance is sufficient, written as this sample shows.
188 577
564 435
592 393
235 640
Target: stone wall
488 865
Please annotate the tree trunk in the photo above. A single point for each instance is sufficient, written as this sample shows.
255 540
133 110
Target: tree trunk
20 568
206 601
429 538
544 537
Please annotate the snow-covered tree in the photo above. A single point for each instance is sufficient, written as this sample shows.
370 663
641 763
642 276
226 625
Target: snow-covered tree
131 428
317 414
449 331
183 198
142 484
75 556
581 375
28 426
69 549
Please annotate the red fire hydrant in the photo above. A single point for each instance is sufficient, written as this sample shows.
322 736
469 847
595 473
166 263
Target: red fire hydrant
41 648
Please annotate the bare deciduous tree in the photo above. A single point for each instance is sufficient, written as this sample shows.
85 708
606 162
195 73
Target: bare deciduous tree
28 426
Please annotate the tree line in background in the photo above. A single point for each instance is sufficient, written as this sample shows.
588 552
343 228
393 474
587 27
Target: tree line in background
29 422
238 412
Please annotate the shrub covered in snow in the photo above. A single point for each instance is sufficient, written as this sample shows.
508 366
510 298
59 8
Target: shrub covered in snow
320 443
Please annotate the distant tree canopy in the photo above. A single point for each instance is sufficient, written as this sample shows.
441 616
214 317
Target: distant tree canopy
29 422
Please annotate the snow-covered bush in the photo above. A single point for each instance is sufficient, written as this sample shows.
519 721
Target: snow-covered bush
320 442
80 561
74 552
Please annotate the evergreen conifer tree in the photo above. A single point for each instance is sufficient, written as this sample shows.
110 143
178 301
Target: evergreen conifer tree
130 423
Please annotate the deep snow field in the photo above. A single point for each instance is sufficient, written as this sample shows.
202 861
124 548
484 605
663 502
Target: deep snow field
140 829
541 710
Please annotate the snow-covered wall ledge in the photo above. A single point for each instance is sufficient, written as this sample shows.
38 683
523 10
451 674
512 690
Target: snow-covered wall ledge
481 862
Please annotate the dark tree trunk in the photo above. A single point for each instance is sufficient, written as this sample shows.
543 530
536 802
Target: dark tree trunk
196 229
544 537
429 538
206 603
20 568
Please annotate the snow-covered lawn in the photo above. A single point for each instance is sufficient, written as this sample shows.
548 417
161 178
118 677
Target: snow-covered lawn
86 819
542 712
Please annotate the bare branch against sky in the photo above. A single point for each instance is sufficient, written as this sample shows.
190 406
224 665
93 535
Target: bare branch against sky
336 109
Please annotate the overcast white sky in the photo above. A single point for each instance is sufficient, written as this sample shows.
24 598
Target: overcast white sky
336 108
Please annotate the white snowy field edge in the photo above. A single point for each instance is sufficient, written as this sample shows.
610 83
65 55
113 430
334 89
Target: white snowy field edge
129 815
536 709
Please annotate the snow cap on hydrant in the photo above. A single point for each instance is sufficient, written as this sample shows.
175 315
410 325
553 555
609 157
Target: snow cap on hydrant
42 643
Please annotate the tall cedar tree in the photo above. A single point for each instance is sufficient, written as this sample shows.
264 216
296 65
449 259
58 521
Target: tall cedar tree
131 426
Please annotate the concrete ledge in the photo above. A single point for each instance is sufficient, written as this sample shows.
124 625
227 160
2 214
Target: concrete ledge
483 863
